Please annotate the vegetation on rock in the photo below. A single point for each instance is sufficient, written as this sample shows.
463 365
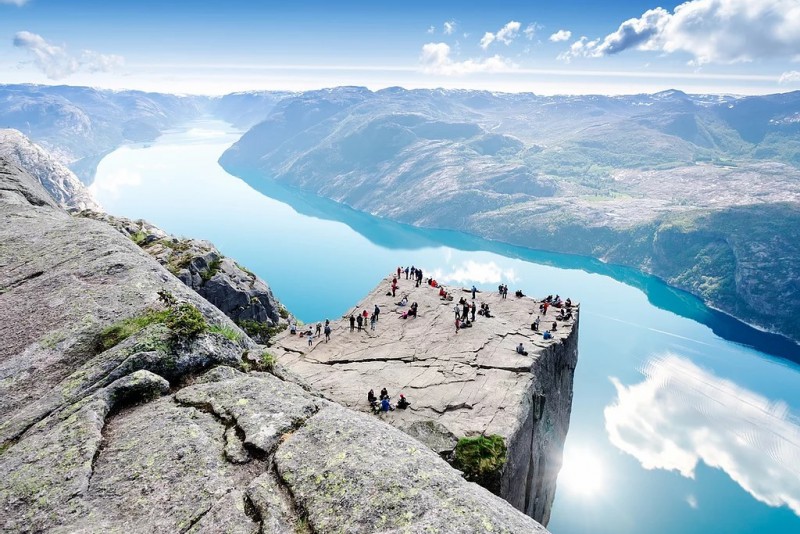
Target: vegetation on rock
481 459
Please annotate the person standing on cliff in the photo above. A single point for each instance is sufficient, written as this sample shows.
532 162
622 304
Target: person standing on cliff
407 270
473 293
399 270
472 309
376 312
352 322
457 310
458 322
310 338
360 321
319 329
372 321
327 333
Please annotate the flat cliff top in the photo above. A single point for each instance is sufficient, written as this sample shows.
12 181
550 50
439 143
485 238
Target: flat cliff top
471 381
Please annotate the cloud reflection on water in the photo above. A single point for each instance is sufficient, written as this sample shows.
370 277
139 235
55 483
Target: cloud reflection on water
475 272
682 414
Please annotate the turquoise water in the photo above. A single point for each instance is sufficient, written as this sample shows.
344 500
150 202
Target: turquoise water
684 420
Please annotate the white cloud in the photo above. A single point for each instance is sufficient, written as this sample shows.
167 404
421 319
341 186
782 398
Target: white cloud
505 35
431 30
560 35
711 31
435 58
112 186
791 76
531 29
57 63
15 2
449 27
682 415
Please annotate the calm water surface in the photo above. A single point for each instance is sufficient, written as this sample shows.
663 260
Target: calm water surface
683 419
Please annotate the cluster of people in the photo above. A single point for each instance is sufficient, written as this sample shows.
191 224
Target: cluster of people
503 290
309 333
410 312
363 318
383 404
484 310
412 273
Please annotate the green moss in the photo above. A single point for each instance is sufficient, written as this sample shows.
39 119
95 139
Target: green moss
119 332
139 237
213 269
267 361
283 312
185 321
226 331
481 459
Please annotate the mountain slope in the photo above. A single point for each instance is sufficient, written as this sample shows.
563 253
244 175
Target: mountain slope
592 175
58 180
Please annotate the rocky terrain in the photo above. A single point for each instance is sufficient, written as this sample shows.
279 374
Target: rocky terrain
460 384
60 182
702 191
126 407
238 293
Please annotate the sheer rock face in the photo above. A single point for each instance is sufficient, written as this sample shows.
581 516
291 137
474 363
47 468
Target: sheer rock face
158 434
459 384
60 182
240 294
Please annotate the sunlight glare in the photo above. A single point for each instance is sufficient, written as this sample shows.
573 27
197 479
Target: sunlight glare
582 472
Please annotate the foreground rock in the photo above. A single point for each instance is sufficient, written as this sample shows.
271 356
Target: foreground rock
459 384
160 431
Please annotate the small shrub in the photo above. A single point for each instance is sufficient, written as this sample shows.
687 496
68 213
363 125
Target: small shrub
139 237
267 361
213 268
283 312
481 459
226 331
186 321
119 332
246 270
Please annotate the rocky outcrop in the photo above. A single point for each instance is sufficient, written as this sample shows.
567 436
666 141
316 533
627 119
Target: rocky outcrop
57 179
124 411
460 384
237 292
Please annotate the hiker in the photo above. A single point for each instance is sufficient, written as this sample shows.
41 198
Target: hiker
371 396
385 406
568 303
376 312
372 321
327 333
458 323
352 322
403 402
505 291
535 325
319 329
555 326
394 287
413 311
293 327
457 309
474 289
399 270
403 302
521 350
465 311
407 273
518 293
546 334
472 309
360 321
384 394
310 336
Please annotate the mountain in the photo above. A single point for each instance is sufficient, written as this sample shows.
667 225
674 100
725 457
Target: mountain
246 109
130 403
701 190
79 125
60 182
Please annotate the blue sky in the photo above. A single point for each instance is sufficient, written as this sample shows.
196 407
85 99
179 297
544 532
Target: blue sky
568 46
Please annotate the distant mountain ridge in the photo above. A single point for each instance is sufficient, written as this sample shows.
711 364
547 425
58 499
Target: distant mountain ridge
701 190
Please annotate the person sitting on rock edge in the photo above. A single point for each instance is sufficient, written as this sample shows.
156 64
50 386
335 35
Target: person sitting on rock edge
403 402
371 396
521 349
385 405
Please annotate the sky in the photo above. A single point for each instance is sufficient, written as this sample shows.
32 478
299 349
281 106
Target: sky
545 47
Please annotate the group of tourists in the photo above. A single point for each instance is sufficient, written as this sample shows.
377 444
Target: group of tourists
310 333
413 272
384 404
363 318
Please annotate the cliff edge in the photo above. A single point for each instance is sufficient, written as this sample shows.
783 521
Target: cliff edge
466 387
126 408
